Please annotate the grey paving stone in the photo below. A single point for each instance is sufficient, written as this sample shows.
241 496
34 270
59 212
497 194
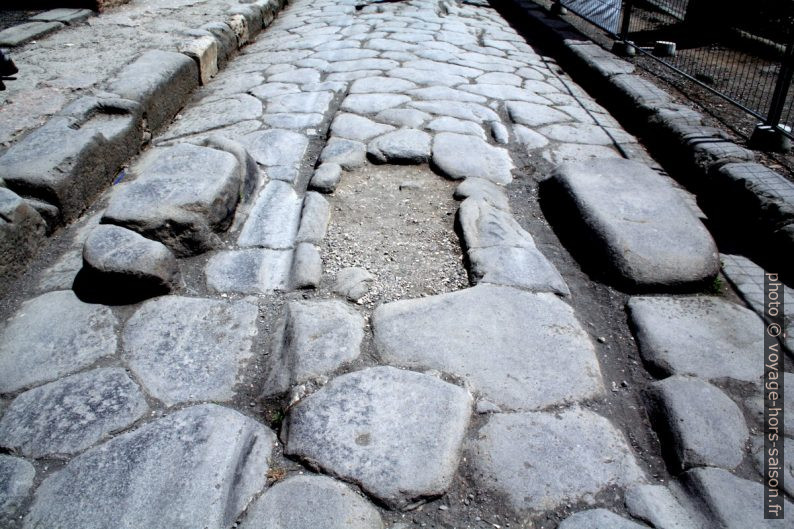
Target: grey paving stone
598 519
25 32
16 482
520 267
427 77
403 117
395 433
706 337
732 501
276 147
316 338
314 218
268 90
460 126
189 349
182 198
326 177
389 45
53 335
642 94
699 424
484 226
529 139
123 258
352 76
361 64
255 271
368 85
67 16
481 189
311 502
402 146
536 337
198 467
284 173
468 111
584 133
499 78
540 460
760 458
307 266
443 68
249 170
345 54
22 231
506 93
355 127
460 156
444 93
372 103
348 154
293 121
274 218
306 102
656 505
533 114
604 63
71 414
755 406
353 283
300 76
645 233
161 81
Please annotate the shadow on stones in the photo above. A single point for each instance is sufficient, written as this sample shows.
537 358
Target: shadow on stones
114 289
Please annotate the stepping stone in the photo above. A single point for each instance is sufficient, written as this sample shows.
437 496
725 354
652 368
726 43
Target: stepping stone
255 271
125 259
535 337
189 349
274 218
53 335
198 467
348 154
485 190
311 502
541 461
403 146
598 519
16 482
317 338
459 156
733 502
706 337
353 283
698 424
182 198
276 147
397 434
326 177
355 127
315 216
372 103
69 415
646 234
657 506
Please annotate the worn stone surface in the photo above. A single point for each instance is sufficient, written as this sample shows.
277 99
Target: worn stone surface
314 218
27 31
348 154
700 425
460 156
198 467
536 336
657 506
372 103
204 52
353 283
534 114
395 433
755 405
22 231
760 458
52 335
182 198
317 338
67 416
307 266
189 349
706 337
482 189
403 146
276 147
354 127
598 519
644 232
16 481
403 117
540 461
326 177
274 218
460 126
253 271
311 502
520 267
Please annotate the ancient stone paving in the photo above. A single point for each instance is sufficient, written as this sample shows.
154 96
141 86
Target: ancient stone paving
352 285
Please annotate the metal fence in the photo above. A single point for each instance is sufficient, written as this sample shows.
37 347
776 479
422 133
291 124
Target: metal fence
743 53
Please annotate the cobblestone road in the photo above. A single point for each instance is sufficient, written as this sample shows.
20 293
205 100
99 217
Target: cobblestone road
390 268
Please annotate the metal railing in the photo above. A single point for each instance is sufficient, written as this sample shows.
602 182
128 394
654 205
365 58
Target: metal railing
743 53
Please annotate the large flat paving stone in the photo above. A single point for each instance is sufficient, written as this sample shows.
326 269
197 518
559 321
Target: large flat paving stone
540 461
198 467
189 349
182 198
317 338
706 337
252 271
403 146
53 335
395 433
510 345
460 156
215 114
637 222
16 482
276 147
700 424
69 415
311 502
274 218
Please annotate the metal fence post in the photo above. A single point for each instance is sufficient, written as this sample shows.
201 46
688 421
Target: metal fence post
782 86
624 27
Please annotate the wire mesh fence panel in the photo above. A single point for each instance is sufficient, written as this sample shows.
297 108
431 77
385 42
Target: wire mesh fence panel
603 13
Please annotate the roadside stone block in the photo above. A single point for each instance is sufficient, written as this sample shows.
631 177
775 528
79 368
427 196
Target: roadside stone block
640 95
204 52
254 271
638 223
53 335
27 31
227 40
182 198
768 195
699 424
22 230
71 414
316 338
198 467
16 482
395 433
535 336
65 15
161 81
600 61
274 218
189 349
540 461
459 156
706 337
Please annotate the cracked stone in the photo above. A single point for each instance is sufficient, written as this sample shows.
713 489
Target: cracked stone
307 266
461 156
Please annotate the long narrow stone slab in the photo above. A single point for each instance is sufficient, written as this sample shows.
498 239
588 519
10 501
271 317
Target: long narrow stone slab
274 219
22 33
181 199
395 433
198 467
535 337
644 232
252 271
